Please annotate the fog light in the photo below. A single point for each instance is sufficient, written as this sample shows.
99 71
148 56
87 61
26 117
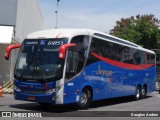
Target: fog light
17 88
50 91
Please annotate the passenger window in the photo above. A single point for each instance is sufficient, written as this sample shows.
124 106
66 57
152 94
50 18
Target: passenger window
137 58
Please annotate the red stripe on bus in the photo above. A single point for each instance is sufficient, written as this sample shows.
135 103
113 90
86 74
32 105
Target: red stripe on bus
58 35
123 65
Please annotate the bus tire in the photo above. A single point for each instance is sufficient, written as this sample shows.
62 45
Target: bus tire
143 92
137 95
85 99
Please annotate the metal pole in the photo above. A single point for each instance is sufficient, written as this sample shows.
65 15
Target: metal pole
57 15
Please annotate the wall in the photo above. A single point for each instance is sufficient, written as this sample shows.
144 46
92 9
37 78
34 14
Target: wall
29 18
26 16
4 64
8 10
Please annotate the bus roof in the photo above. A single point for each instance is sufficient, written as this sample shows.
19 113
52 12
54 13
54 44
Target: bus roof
69 33
58 33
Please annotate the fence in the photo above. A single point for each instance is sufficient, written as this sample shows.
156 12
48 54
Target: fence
7 84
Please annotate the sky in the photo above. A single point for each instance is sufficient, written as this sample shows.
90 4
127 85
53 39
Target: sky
99 15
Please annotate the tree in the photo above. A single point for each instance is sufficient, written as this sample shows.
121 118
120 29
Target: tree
142 30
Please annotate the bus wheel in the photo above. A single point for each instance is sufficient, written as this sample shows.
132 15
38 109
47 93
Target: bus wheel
138 93
85 99
143 92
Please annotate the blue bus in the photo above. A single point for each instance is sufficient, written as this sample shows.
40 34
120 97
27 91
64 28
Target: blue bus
62 66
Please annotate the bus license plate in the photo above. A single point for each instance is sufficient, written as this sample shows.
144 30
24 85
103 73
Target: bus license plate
31 98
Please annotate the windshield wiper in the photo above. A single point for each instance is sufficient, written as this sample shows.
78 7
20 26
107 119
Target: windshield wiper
24 71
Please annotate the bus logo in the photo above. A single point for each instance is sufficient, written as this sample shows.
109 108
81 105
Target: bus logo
103 72
42 42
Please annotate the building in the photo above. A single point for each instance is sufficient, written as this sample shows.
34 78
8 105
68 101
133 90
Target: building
18 18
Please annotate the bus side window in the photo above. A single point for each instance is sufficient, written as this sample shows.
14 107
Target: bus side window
137 58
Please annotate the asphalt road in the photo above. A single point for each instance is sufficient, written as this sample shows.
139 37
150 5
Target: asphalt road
117 108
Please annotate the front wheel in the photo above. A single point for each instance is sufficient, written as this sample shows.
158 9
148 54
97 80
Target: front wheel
85 99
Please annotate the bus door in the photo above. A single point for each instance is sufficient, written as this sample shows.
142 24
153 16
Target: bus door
76 59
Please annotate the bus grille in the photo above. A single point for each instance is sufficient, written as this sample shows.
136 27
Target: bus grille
33 92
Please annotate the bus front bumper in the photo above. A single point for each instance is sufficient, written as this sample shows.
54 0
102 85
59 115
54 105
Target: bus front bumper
40 98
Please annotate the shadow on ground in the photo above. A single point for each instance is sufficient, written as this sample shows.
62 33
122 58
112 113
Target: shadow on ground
71 107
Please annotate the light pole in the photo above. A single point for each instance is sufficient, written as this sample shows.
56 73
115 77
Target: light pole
57 15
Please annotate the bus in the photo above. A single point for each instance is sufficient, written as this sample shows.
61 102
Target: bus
63 66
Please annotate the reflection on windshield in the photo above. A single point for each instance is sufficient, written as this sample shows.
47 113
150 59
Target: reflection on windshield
38 60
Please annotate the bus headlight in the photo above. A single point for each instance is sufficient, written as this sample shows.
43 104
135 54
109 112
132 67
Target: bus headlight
50 91
17 88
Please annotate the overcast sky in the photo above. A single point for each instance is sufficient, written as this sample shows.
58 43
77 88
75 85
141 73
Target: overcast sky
95 14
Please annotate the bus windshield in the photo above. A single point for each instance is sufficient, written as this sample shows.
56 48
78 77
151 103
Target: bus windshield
38 60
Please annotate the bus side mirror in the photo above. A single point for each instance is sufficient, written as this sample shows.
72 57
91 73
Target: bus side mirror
9 48
63 48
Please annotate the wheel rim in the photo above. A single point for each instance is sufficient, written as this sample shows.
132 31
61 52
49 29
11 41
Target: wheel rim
83 99
138 93
143 92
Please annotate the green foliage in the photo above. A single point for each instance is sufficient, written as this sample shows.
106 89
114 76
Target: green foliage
142 30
